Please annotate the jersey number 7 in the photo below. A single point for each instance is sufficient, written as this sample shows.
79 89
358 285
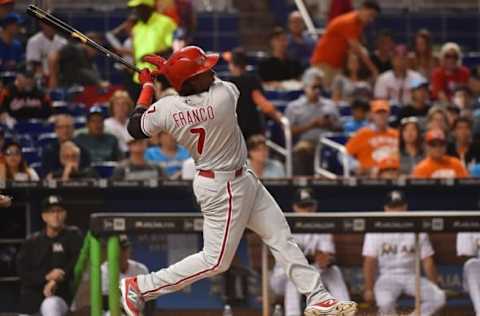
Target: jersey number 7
201 138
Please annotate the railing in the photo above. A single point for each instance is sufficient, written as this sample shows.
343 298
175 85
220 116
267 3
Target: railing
319 170
287 150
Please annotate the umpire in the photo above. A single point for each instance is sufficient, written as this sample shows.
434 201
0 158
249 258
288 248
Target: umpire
45 263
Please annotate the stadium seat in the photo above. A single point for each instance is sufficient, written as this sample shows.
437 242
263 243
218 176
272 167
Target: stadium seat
105 168
46 139
31 154
25 140
33 127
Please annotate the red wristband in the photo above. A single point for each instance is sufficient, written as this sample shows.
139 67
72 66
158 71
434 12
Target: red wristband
146 96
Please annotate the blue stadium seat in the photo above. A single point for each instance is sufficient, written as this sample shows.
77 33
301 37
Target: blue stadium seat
329 156
105 168
33 127
37 166
45 139
25 140
31 154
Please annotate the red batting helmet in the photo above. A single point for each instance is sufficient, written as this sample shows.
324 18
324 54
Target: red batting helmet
183 64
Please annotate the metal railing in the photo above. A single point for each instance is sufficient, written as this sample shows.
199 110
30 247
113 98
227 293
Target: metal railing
287 150
339 148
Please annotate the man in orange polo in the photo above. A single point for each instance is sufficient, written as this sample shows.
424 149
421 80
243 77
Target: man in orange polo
341 35
376 142
438 164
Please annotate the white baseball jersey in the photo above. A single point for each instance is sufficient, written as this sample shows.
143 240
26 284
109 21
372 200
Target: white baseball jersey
311 243
395 252
205 124
468 244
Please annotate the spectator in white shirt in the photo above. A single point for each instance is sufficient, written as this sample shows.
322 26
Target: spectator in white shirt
42 44
120 106
393 85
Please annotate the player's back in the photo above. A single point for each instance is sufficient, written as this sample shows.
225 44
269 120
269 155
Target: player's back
205 124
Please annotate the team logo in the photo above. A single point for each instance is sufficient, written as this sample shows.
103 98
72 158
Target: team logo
57 247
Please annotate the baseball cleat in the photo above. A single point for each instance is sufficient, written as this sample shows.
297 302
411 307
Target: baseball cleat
132 300
332 307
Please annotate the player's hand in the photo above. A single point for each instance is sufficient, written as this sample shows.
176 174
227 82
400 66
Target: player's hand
368 296
145 76
50 288
5 200
55 275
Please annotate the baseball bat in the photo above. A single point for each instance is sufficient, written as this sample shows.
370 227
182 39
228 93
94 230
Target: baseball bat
60 25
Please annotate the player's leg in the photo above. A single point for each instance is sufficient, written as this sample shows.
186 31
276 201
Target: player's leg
387 289
471 276
292 300
278 280
432 297
268 221
54 306
333 279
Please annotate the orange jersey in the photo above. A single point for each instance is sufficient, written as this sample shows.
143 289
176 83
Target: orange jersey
370 147
448 167
333 46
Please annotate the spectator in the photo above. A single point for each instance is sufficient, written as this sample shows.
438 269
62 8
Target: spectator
70 164
320 252
120 106
360 109
101 146
419 104
463 100
23 100
64 128
16 168
410 145
180 11
393 85
453 113
152 34
388 168
169 155
259 161
372 144
74 64
392 255
422 59
450 73
468 248
342 35
384 48
46 260
136 167
464 147
437 164
474 85
6 6
279 67
437 118
40 46
310 116
353 76
11 50
252 99
300 42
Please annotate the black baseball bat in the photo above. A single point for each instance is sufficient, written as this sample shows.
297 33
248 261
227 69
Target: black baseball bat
60 25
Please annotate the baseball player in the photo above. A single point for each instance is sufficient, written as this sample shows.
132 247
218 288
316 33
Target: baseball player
202 119
394 255
468 245
320 250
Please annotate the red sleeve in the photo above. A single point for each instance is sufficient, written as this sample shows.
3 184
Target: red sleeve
438 82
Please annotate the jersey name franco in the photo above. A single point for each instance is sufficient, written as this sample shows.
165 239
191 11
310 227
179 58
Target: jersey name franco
205 124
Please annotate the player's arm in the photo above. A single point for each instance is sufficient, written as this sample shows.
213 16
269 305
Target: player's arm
134 125
266 106
369 272
430 269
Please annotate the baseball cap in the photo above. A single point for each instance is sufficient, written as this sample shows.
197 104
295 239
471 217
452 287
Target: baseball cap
136 3
434 135
51 200
395 198
11 18
380 105
360 103
304 196
124 241
3 2
389 163
96 110
418 83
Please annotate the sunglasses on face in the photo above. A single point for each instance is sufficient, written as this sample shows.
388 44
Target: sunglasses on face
13 152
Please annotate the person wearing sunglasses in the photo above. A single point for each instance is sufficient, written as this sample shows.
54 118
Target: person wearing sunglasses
15 166
450 73
438 164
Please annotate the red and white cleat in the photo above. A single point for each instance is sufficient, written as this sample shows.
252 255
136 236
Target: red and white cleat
132 300
332 307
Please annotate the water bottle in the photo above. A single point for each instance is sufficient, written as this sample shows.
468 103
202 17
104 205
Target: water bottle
227 311
277 311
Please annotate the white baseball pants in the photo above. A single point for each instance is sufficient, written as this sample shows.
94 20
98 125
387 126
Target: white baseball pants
229 205
53 306
388 289
471 280
332 279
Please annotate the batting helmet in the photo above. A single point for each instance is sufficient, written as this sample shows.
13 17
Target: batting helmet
183 64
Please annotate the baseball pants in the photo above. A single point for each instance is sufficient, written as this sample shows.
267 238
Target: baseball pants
229 205
471 281
332 279
53 306
388 289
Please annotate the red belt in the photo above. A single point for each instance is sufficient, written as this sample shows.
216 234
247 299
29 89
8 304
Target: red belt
211 174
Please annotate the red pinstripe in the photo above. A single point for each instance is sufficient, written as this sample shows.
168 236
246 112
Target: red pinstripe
222 252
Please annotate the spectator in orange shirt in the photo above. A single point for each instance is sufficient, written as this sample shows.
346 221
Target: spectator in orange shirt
343 34
438 164
372 144
450 73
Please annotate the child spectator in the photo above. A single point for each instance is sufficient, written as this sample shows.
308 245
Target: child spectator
16 168
450 73
261 164
410 145
438 164
169 155
136 167
120 106
360 109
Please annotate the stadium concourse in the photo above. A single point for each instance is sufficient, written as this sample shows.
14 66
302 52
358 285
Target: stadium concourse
345 106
